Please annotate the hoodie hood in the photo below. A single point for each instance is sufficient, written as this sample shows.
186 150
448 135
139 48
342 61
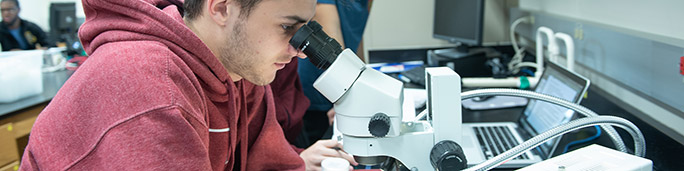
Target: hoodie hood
110 21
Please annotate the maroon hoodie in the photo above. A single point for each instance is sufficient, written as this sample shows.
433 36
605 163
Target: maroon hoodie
152 96
291 102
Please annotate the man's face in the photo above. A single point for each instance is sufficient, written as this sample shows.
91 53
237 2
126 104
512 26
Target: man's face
258 46
9 12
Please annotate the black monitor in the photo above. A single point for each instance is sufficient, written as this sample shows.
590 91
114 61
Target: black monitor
63 22
459 21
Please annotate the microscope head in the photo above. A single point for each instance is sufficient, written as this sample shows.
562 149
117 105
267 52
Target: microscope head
318 46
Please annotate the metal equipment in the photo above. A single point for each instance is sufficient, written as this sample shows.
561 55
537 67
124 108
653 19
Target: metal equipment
368 106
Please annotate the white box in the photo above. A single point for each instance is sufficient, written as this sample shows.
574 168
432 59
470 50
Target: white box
20 74
595 158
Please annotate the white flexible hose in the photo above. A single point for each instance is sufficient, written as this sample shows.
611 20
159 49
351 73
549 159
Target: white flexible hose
518 56
639 141
512 31
615 137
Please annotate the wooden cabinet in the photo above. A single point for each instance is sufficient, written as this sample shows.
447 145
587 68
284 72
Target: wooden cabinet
9 153
14 166
14 131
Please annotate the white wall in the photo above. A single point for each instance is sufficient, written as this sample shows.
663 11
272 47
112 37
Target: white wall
401 24
37 11
660 17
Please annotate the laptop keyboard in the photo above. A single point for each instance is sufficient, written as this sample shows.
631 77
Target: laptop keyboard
495 140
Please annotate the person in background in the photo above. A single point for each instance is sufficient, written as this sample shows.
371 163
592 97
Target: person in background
176 85
343 20
19 34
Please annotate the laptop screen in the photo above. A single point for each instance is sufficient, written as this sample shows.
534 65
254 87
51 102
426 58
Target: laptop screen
541 116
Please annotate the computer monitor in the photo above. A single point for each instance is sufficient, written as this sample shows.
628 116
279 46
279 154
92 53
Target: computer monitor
459 21
63 23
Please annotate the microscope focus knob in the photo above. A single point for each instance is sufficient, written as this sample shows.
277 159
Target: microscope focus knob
379 125
448 155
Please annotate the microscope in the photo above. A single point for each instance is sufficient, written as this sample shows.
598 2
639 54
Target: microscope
368 106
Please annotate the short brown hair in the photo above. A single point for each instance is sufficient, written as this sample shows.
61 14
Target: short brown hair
193 8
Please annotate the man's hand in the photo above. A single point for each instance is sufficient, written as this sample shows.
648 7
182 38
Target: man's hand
322 149
331 116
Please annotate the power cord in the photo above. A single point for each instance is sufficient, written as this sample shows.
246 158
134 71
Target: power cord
598 134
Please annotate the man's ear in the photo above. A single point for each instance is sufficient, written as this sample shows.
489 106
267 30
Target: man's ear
221 11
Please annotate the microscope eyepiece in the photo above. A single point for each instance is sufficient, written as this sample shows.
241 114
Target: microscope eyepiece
318 46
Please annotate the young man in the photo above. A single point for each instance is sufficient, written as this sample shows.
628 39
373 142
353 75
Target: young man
18 34
167 91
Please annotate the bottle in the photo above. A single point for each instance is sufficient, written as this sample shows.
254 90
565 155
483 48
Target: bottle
335 164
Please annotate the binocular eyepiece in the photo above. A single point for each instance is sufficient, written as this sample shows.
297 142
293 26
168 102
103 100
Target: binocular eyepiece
318 46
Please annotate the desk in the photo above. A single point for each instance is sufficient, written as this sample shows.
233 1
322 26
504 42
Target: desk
18 118
664 151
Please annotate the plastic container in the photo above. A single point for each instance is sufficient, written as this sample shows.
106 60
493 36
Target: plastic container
20 74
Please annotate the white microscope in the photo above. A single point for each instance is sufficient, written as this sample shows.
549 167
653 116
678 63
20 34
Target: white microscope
368 106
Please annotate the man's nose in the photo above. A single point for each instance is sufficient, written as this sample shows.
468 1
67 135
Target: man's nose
295 52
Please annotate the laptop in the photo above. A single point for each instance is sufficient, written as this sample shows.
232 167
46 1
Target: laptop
485 140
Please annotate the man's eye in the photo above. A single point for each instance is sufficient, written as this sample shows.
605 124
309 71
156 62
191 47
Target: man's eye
287 27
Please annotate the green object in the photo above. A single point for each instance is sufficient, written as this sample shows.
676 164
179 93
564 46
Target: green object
524 83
